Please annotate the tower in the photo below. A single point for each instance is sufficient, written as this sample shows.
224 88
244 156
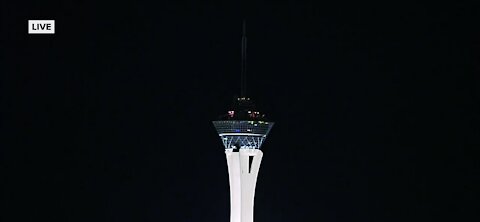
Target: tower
243 130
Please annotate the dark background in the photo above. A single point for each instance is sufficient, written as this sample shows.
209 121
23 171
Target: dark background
376 107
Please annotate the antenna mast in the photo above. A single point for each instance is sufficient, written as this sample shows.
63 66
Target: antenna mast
243 80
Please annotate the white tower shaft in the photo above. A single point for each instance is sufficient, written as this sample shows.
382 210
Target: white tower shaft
243 167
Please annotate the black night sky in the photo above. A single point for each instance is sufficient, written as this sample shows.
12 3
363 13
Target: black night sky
377 110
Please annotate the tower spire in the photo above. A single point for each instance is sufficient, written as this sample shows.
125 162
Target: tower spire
243 77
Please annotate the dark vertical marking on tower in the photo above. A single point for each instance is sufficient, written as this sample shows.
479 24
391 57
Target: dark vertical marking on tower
250 161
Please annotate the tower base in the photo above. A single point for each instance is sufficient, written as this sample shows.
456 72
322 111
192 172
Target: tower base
243 167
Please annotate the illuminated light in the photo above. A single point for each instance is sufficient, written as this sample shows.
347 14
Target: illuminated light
242 134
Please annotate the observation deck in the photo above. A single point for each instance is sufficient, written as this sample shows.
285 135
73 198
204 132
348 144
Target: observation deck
243 127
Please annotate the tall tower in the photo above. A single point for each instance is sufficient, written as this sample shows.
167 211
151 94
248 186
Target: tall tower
243 130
